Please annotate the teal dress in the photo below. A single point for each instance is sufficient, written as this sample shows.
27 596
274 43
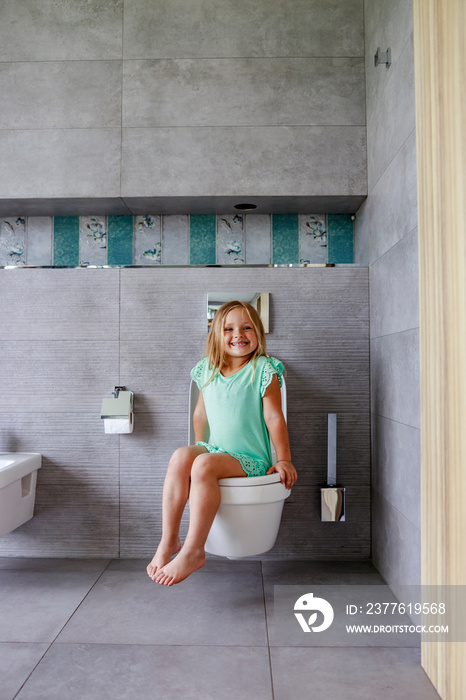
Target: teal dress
234 411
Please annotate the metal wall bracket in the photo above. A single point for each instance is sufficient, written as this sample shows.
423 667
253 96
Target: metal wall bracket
383 58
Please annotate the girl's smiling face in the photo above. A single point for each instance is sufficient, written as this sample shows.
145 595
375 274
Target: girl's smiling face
239 336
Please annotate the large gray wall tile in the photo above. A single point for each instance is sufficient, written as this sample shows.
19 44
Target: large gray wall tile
395 377
61 94
390 212
244 92
234 160
396 466
394 283
396 549
388 25
56 376
86 307
391 21
393 118
60 163
58 31
212 29
168 380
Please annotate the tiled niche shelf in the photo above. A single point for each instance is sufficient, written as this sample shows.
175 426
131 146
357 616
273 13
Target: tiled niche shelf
201 239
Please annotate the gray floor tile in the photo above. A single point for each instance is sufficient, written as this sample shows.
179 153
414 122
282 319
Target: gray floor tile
207 608
136 565
34 606
352 674
16 663
213 565
52 564
286 631
94 672
302 572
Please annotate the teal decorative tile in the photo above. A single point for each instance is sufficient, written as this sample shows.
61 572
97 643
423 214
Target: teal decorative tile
66 241
285 239
340 238
202 239
120 240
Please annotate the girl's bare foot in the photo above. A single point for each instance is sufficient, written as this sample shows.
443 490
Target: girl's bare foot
161 557
181 567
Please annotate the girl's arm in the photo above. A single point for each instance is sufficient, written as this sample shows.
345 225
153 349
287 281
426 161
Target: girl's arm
276 425
200 422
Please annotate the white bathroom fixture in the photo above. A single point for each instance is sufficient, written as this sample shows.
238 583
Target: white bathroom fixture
249 516
248 519
18 478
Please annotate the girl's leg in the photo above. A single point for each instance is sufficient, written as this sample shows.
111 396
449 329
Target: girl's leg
175 495
204 500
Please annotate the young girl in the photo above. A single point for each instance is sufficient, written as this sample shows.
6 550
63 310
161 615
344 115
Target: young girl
239 406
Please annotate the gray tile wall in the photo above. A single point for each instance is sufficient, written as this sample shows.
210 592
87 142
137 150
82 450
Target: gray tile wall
208 98
386 240
69 336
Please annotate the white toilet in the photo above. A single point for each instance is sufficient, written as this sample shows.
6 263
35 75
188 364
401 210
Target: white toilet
248 519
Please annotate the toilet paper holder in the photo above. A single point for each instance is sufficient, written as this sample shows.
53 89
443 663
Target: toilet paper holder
121 406
332 497
118 412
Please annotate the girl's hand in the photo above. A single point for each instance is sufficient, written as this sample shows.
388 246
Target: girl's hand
287 472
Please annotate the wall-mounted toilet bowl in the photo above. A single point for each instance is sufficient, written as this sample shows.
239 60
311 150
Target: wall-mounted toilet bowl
18 476
249 515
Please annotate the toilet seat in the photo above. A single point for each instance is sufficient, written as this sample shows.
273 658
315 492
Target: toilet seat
266 489
242 481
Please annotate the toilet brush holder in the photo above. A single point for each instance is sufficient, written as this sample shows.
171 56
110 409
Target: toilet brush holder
332 503
332 496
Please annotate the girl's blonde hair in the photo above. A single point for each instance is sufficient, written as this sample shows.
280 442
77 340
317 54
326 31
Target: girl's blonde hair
215 349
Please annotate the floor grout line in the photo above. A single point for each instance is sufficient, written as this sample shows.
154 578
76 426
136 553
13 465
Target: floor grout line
57 635
267 629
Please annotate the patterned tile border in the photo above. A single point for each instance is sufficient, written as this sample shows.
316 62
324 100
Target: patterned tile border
150 240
